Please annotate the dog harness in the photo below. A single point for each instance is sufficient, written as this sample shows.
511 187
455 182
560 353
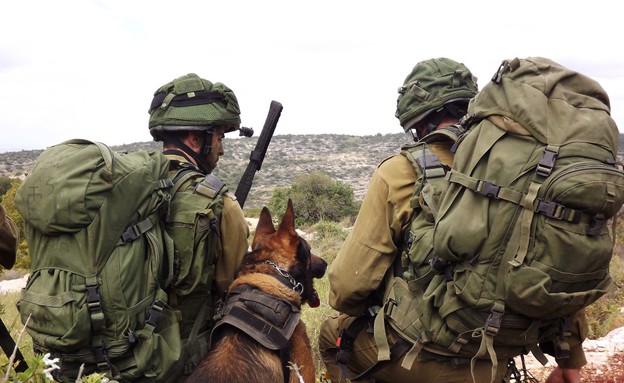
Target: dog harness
267 319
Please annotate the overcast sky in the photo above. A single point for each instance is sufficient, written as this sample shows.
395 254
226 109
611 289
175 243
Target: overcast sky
88 68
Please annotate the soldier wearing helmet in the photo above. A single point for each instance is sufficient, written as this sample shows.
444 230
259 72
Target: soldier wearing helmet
190 115
434 91
432 100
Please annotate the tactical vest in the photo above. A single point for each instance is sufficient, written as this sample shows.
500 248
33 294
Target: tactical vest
404 289
194 224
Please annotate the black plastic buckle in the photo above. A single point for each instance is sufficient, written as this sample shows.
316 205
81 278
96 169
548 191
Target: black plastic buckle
546 208
493 322
488 189
130 234
546 163
595 226
101 358
154 313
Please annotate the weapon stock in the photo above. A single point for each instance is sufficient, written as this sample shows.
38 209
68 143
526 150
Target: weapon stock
257 155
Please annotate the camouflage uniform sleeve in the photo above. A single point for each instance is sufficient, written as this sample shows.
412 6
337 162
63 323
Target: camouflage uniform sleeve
8 239
234 234
371 247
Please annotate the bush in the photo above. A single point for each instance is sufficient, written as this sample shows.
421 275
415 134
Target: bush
604 315
315 197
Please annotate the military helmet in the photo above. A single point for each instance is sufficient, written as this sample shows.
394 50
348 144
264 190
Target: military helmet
430 86
193 103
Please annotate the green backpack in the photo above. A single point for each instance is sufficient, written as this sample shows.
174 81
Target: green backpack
100 262
522 224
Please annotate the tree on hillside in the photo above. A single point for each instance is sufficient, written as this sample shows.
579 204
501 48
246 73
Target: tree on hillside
5 185
9 205
316 196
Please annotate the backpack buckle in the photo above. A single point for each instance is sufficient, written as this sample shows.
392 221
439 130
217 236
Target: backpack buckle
595 226
488 189
389 307
154 314
493 322
547 161
101 358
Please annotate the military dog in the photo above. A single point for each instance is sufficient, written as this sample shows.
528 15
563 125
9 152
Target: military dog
259 336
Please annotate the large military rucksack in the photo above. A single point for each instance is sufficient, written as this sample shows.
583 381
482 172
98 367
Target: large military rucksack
100 262
522 224
520 239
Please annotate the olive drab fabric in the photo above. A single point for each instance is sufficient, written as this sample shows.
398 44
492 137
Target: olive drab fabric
194 225
521 227
403 292
192 103
101 261
431 85
430 170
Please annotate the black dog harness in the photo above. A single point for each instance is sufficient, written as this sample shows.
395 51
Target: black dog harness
267 319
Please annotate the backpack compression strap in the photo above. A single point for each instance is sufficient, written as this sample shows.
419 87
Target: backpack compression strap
93 297
514 255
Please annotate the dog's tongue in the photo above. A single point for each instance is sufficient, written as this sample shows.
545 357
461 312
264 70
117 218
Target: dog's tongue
314 301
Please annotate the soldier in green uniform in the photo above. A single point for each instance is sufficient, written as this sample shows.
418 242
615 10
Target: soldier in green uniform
190 115
434 96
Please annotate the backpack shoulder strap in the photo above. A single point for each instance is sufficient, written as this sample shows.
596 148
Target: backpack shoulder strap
426 163
181 176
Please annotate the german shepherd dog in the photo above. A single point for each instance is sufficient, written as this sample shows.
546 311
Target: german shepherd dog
279 270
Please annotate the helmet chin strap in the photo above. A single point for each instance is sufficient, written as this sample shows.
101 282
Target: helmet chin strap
200 159
207 146
434 120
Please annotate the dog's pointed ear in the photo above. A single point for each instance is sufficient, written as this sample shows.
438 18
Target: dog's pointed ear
288 221
265 226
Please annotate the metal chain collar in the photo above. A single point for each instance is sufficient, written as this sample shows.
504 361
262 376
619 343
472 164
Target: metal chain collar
297 286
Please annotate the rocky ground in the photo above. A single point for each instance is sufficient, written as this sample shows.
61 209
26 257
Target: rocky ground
605 358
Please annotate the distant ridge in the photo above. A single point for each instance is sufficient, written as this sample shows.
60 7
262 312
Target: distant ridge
349 159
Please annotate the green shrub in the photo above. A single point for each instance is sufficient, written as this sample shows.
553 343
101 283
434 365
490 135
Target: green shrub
315 196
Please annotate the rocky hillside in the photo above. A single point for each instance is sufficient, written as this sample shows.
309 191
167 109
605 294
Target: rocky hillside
349 159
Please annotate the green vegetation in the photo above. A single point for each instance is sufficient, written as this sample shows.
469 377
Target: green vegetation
316 197
5 185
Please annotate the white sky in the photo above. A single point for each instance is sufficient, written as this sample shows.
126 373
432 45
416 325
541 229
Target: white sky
89 68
